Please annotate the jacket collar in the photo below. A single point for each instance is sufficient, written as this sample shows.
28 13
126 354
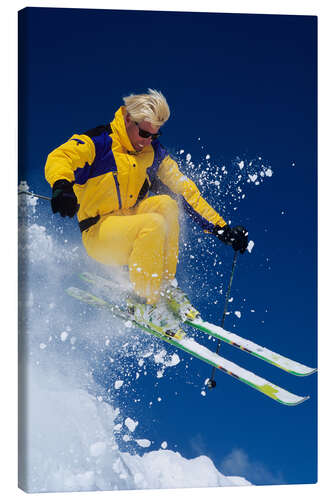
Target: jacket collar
119 128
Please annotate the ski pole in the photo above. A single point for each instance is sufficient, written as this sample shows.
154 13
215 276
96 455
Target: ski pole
42 197
211 382
35 195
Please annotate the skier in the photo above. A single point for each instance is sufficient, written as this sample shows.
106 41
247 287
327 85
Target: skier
105 175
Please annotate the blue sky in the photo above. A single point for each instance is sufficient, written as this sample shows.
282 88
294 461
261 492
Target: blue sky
246 86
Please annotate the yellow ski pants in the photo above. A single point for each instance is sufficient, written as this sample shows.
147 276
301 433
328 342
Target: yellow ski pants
144 238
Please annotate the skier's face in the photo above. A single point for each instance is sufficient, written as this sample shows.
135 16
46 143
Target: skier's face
137 132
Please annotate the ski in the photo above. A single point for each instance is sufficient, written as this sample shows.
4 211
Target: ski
278 360
250 347
193 348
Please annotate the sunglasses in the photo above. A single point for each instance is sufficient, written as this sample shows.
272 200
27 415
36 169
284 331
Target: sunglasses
145 134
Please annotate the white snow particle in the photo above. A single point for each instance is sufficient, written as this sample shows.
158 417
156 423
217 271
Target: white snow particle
118 384
174 360
63 336
238 314
131 424
250 246
160 356
144 443
164 445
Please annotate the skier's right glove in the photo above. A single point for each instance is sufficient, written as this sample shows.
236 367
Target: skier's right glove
234 236
63 199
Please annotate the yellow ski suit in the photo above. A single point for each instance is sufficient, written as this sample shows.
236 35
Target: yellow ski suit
120 224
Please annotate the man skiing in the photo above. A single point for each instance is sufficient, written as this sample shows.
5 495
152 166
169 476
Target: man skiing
105 176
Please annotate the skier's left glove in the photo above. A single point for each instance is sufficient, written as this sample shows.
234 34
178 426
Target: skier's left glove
236 236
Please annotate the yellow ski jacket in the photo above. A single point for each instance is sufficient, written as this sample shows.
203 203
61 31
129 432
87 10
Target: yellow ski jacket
108 175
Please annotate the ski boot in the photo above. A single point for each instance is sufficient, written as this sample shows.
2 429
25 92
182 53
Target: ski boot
178 302
155 316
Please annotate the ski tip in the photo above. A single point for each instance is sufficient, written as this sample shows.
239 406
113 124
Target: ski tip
299 401
311 371
305 373
304 399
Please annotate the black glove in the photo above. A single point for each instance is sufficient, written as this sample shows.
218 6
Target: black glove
63 199
234 236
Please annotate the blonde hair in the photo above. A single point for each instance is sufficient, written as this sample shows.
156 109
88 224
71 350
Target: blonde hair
151 107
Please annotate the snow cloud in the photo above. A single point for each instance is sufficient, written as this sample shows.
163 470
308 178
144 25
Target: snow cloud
197 443
238 463
77 431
